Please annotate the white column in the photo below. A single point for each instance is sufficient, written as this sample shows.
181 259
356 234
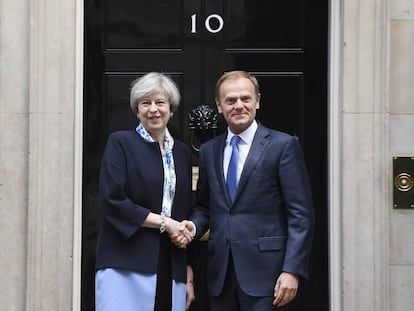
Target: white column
365 156
51 155
14 67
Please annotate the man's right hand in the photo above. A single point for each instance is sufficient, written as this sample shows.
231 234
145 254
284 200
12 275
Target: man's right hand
184 235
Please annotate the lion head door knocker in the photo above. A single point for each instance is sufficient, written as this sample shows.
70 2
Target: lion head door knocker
202 122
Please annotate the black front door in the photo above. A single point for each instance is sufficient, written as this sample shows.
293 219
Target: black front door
283 43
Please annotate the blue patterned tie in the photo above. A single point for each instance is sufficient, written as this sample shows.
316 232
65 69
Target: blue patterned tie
232 170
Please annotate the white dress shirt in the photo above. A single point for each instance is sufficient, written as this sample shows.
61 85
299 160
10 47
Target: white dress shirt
244 146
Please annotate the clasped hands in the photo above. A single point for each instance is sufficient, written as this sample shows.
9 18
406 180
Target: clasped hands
181 233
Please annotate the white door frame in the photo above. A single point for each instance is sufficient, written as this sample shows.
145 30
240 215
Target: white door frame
78 151
335 30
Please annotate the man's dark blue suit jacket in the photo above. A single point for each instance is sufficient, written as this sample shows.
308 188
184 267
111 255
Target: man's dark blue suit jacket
269 226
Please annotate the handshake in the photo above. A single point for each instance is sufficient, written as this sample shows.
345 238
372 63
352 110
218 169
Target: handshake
180 233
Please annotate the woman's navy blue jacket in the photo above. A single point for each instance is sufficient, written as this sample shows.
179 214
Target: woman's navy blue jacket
131 186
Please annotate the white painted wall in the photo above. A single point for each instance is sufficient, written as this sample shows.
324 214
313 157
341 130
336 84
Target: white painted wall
401 222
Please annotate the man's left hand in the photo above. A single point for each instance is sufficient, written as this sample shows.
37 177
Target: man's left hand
286 288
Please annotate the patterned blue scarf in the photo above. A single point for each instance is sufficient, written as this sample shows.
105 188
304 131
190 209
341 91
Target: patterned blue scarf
169 168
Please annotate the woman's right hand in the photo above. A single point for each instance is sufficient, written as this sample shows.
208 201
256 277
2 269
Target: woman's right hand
181 233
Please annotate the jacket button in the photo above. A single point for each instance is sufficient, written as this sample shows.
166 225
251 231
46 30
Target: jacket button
226 241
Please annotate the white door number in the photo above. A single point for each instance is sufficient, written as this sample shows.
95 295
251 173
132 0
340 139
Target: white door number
207 23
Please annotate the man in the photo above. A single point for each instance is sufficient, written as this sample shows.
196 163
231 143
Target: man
260 240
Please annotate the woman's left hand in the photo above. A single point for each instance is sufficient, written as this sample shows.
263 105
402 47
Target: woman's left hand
190 288
190 295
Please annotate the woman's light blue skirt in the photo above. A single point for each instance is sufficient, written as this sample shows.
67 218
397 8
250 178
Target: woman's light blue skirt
123 290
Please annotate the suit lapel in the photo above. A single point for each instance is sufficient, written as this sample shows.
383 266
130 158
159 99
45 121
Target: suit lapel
218 149
256 150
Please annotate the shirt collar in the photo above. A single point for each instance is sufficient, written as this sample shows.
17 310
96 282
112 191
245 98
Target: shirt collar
246 136
168 139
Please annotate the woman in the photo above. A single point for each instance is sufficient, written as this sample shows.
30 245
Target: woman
145 190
